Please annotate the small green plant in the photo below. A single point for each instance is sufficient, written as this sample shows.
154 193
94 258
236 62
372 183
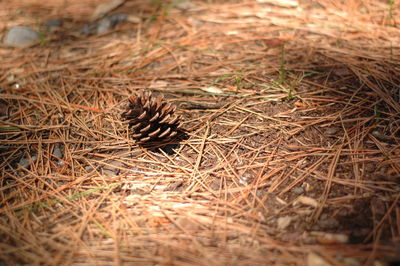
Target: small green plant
282 68
221 78
391 11
240 78
283 73
42 35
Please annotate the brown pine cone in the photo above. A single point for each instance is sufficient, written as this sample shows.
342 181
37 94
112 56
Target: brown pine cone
151 119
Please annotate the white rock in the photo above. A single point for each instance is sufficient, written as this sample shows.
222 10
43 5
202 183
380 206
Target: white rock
19 36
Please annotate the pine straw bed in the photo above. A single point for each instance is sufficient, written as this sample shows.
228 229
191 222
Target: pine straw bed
292 154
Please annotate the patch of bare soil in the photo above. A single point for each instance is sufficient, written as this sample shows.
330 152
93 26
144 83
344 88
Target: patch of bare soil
290 156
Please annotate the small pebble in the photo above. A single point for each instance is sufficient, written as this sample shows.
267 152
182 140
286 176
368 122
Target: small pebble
331 131
109 173
114 166
57 151
370 167
216 184
118 18
53 23
19 36
244 180
103 26
329 223
298 190
24 162
87 29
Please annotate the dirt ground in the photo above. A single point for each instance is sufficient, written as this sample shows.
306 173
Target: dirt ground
291 153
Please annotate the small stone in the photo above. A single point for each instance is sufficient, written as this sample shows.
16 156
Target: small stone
103 26
53 23
114 166
87 29
298 190
245 179
19 36
328 223
216 184
118 18
108 23
331 131
57 151
370 167
109 173
259 193
26 161
174 186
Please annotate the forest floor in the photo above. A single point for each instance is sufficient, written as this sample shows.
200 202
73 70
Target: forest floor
292 116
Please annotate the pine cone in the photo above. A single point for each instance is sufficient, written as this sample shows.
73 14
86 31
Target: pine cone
151 119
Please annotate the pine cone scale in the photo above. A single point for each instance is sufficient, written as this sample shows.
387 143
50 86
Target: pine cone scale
157 115
145 129
154 133
165 133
